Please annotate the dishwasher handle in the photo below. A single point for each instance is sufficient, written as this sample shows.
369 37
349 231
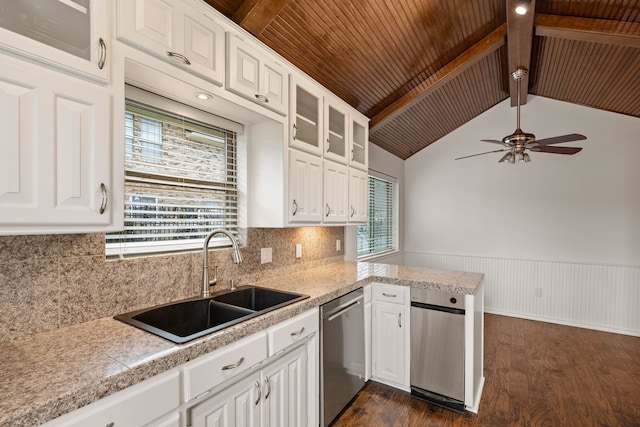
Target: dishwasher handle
341 309
437 308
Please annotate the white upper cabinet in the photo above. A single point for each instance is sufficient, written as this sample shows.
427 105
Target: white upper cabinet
336 121
305 187
174 31
253 75
306 116
70 35
336 192
55 152
359 133
358 196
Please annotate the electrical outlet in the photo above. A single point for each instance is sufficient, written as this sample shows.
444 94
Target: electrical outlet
266 255
539 292
298 250
338 245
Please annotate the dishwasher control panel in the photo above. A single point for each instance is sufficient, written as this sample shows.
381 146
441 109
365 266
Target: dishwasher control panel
439 298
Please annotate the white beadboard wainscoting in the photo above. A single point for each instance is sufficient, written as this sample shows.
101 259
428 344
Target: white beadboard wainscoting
602 297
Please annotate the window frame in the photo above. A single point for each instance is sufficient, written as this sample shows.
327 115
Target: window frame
393 220
178 111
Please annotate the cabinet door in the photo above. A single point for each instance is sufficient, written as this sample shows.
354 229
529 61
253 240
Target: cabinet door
336 188
285 390
358 196
149 24
389 342
359 140
336 124
274 86
306 116
305 187
56 151
71 36
204 46
236 406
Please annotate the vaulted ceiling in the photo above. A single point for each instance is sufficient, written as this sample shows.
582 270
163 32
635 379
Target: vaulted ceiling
420 69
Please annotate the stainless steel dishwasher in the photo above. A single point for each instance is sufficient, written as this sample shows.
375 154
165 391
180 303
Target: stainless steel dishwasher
341 352
437 347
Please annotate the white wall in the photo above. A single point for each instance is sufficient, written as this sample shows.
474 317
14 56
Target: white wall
583 210
385 162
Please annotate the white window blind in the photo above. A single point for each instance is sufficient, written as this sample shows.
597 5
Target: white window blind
180 182
380 235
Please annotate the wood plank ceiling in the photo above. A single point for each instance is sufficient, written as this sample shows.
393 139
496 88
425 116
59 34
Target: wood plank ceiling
420 69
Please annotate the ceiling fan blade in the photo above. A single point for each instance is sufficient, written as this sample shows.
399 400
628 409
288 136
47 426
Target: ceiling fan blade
494 141
559 139
480 154
557 150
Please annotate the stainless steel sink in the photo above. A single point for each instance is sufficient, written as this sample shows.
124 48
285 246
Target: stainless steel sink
188 319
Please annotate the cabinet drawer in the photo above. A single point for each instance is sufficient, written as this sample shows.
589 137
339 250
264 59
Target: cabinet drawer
295 329
212 369
132 407
389 293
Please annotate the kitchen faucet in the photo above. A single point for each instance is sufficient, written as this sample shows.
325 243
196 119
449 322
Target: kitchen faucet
236 256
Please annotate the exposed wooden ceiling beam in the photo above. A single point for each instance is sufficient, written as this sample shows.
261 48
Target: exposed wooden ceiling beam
453 69
589 30
519 41
255 15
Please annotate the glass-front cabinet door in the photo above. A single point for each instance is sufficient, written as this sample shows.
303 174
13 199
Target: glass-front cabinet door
335 131
306 116
67 34
359 155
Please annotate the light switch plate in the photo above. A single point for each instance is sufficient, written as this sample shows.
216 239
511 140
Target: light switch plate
266 255
338 244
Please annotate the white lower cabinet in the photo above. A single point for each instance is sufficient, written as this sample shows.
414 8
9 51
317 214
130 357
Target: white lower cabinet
133 407
274 396
390 335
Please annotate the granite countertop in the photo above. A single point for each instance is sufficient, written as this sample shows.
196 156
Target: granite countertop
52 373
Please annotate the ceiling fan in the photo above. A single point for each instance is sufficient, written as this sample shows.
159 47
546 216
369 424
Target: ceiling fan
519 142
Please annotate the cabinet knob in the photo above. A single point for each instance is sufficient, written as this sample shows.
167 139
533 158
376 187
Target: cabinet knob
178 57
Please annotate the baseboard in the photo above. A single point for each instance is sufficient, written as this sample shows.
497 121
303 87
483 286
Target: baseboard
476 399
633 333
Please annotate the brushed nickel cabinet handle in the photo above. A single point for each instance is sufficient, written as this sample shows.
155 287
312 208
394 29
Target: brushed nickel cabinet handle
328 210
328 145
389 295
103 54
178 57
233 365
261 98
266 380
105 198
296 333
400 320
353 211
295 131
295 207
259 392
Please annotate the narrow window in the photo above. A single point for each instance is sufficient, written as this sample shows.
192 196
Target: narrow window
380 235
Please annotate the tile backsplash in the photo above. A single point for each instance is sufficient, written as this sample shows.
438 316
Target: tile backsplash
52 281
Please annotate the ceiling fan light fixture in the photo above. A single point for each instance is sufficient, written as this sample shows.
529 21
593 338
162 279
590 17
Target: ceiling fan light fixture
522 6
526 158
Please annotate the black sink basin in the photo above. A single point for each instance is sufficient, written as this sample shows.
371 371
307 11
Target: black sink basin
185 320
258 299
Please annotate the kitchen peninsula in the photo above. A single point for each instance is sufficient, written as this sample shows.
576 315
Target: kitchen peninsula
53 373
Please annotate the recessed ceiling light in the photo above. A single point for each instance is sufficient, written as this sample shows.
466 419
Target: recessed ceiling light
202 95
522 6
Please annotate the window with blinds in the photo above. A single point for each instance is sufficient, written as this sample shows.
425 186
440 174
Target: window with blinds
380 235
180 182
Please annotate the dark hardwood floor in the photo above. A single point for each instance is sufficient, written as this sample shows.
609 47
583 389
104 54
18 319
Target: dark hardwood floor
537 374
